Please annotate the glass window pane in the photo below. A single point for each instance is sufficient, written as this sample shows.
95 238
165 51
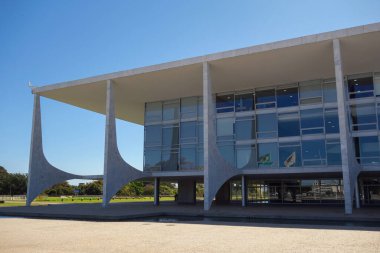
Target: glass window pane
360 87
188 157
153 135
312 121
331 121
200 159
169 160
200 133
244 102
224 103
227 151
171 110
333 154
170 138
376 83
290 156
200 108
245 128
152 160
367 149
225 128
266 125
329 92
267 154
363 117
313 152
153 112
245 157
265 99
189 107
287 97
188 132
311 92
288 125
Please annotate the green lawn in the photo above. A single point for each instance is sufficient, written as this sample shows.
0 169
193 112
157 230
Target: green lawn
84 199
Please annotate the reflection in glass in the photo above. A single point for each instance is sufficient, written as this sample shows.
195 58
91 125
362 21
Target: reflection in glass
311 92
363 117
153 135
329 92
367 149
313 152
290 154
333 152
189 107
245 156
360 87
245 128
312 121
188 132
188 157
288 125
266 125
224 103
331 121
169 160
153 112
287 97
225 128
267 155
265 99
244 102
171 110
152 160
227 151
170 138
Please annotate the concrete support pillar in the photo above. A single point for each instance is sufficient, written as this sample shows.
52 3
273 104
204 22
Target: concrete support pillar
116 171
243 191
357 194
345 141
156 191
186 191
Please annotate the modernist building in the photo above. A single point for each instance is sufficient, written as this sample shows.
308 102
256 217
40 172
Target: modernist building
294 121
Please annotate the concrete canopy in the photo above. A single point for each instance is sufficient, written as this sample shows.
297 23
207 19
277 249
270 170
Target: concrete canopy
283 62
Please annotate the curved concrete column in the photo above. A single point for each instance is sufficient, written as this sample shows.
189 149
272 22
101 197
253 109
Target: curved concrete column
117 172
42 174
350 167
216 169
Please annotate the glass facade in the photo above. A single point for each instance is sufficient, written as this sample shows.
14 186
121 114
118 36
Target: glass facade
295 125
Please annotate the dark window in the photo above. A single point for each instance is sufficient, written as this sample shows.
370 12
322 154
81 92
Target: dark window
224 103
360 87
171 110
290 154
267 155
189 107
367 149
188 132
169 160
287 97
188 157
313 152
246 157
312 121
170 136
333 152
265 99
288 125
227 151
152 160
363 117
331 121
153 112
266 125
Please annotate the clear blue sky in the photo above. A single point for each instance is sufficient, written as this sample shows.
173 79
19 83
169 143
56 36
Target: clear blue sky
54 41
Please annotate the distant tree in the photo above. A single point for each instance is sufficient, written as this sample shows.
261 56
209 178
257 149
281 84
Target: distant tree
167 189
93 188
12 183
60 189
3 170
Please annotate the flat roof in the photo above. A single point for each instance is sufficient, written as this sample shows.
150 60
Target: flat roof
283 62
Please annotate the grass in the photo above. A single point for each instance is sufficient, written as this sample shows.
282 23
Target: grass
43 200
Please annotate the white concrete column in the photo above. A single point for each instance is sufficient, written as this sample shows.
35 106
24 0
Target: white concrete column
208 126
116 171
156 191
344 128
243 191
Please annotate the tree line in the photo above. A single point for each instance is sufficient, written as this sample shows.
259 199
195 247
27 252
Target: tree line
16 184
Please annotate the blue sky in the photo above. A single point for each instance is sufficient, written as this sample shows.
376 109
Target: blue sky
55 41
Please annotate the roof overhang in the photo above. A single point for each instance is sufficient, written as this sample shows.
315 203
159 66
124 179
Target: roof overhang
283 62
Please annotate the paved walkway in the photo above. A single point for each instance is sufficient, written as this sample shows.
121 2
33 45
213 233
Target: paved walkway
41 235
122 211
